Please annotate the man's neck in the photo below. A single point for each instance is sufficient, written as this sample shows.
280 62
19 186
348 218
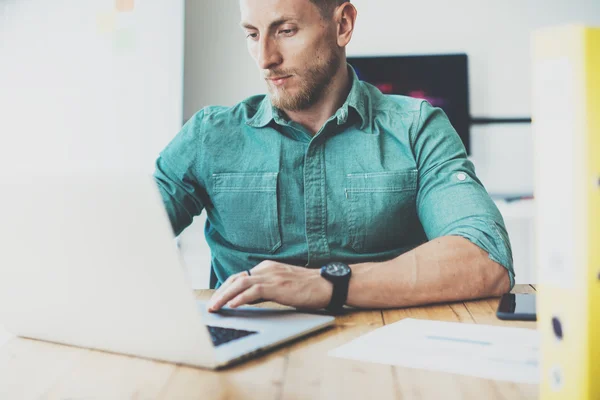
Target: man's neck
334 96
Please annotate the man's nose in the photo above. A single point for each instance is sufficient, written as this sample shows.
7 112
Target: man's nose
269 55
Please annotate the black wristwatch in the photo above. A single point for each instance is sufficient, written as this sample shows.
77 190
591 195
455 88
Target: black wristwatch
339 274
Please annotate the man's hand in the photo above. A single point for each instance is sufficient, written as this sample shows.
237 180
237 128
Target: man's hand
273 281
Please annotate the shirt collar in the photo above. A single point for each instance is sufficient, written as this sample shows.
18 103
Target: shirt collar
357 100
263 115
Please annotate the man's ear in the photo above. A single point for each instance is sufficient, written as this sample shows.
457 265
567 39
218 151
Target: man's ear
345 18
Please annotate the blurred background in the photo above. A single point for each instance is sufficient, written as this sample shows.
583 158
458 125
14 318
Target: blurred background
106 84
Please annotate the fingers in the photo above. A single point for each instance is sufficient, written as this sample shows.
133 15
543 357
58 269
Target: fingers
250 295
229 282
241 282
237 285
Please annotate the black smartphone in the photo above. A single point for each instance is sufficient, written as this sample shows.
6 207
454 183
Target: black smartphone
517 307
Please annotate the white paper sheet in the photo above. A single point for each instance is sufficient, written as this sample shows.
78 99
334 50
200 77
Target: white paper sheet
4 336
500 353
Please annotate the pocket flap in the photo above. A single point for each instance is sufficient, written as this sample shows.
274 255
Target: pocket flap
389 181
245 182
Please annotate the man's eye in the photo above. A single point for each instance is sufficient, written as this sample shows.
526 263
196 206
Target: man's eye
286 32
252 35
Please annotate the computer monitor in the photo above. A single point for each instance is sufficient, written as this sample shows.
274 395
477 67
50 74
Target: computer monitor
443 80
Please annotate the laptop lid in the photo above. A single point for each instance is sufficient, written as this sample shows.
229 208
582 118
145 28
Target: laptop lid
89 260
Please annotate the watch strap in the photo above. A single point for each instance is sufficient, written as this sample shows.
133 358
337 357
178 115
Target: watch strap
340 291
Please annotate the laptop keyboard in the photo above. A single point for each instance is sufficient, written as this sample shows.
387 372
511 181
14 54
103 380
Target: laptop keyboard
221 336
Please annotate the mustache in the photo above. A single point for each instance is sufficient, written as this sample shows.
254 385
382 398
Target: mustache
277 73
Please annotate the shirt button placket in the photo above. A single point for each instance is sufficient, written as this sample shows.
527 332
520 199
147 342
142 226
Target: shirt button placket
315 203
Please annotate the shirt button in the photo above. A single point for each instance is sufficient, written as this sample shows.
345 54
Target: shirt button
461 177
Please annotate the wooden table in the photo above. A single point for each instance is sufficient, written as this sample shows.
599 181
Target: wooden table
32 369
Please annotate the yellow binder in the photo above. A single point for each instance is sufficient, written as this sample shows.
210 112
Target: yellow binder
566 127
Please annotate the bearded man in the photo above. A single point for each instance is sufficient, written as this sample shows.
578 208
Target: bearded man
325 192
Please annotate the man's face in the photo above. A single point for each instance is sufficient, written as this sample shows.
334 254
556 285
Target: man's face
294 47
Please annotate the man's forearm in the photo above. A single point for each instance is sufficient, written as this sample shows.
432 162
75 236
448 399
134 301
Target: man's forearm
449 268
445 269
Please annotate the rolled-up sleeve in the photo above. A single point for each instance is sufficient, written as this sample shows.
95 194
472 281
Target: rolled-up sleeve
176 175
451 201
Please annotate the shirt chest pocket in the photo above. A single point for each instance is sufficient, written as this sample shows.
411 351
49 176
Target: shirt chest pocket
379 207
247 207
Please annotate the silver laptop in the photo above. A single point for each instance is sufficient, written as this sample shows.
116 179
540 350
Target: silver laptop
89 260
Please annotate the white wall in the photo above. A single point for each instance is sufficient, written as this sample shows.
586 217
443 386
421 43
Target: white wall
495 35
218 68
85 86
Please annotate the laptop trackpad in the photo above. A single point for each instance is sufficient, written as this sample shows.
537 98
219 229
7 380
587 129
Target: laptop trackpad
253 318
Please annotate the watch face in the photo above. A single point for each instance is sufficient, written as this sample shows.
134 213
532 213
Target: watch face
337 269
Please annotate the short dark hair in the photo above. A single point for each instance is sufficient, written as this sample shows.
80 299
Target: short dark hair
326 7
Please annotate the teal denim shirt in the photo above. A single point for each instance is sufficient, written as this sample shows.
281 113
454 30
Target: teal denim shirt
384 175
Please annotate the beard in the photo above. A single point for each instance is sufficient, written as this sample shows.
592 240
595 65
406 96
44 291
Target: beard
313 80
